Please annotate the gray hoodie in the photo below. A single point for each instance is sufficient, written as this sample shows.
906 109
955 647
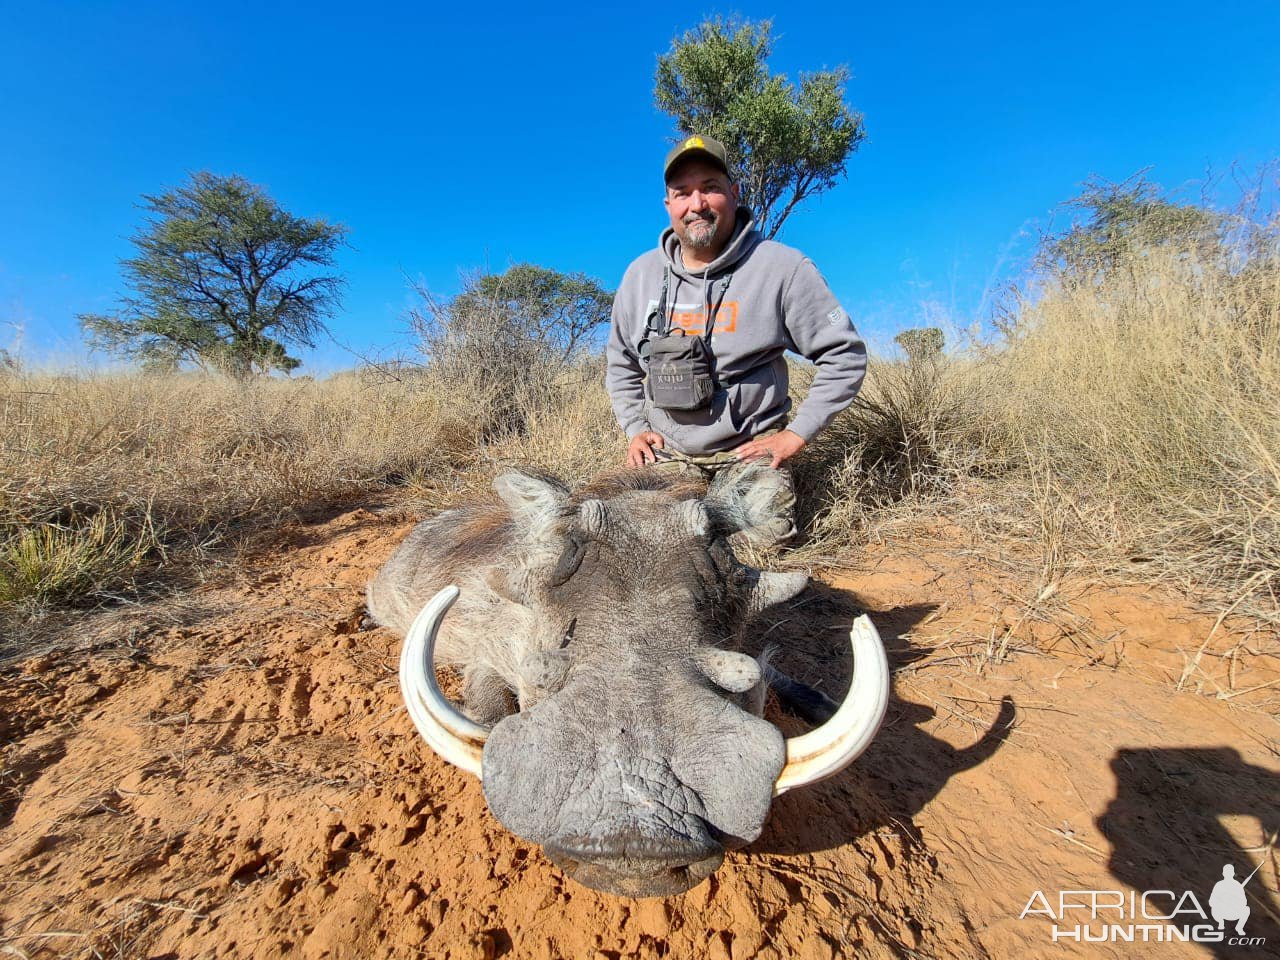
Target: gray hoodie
766 298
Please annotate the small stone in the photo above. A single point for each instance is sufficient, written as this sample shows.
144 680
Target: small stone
342 840
410 900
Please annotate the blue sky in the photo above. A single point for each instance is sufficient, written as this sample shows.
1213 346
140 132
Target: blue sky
484 135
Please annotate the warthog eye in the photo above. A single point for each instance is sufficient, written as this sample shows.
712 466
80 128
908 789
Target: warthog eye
724 561
569 562
725 566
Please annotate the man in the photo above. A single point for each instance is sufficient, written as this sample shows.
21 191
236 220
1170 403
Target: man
762 298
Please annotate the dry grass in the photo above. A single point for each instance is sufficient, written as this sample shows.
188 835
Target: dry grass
44 563
1140 413
1123 423
917 432
104 477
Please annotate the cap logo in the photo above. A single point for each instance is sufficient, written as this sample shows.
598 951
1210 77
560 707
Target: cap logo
694 142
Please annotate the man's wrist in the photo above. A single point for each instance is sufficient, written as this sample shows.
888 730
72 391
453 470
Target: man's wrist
803 429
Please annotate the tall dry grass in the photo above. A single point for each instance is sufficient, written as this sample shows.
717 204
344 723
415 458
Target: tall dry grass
1123 421
1142 410
107 478
104 477
919 430
1118 421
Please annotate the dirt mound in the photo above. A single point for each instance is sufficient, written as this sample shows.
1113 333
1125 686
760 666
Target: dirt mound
242 780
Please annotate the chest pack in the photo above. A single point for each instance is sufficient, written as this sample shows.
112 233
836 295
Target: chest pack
681 365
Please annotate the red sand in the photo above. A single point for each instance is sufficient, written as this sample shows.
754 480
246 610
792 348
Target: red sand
233 775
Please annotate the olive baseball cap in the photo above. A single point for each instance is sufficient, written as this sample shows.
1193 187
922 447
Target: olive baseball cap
696 146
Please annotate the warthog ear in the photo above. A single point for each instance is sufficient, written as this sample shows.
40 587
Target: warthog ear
535 502
753 500
544 551
735 672
694 517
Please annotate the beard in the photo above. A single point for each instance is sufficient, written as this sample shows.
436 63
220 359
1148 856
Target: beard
700 231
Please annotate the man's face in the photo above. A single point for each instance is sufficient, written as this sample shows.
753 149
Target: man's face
701 202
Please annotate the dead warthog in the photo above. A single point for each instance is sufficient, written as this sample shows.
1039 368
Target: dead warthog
607 708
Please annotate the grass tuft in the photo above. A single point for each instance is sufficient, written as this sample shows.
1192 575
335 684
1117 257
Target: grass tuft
47 563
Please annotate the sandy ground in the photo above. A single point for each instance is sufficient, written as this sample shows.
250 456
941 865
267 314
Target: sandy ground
232 774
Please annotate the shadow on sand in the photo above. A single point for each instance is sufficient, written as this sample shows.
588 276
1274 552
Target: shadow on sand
903 769
1166 831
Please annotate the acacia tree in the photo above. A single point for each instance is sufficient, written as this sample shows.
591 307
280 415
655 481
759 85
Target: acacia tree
1123 219
558 311
787 142
921 344
528 316
223 277
509 335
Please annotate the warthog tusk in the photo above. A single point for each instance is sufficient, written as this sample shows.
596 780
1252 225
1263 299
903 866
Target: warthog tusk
838 742
455 737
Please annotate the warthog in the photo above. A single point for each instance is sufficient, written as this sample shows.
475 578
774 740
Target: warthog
608 711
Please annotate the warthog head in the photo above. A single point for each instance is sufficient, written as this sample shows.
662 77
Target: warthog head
638 754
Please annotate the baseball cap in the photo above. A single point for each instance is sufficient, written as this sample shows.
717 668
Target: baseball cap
697 146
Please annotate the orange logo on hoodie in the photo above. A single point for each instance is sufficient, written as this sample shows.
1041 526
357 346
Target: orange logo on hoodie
694 322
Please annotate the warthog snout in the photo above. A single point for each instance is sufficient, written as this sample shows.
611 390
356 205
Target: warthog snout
629 875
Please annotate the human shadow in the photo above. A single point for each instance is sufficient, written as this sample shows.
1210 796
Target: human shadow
1166 832
903 769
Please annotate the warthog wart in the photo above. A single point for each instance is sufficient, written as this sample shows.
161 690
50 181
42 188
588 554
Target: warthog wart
608 710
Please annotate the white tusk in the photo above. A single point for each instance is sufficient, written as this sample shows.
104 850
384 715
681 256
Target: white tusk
457 738
838 742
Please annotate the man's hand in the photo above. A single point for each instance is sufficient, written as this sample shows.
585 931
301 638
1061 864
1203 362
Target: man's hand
640 450
778 447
